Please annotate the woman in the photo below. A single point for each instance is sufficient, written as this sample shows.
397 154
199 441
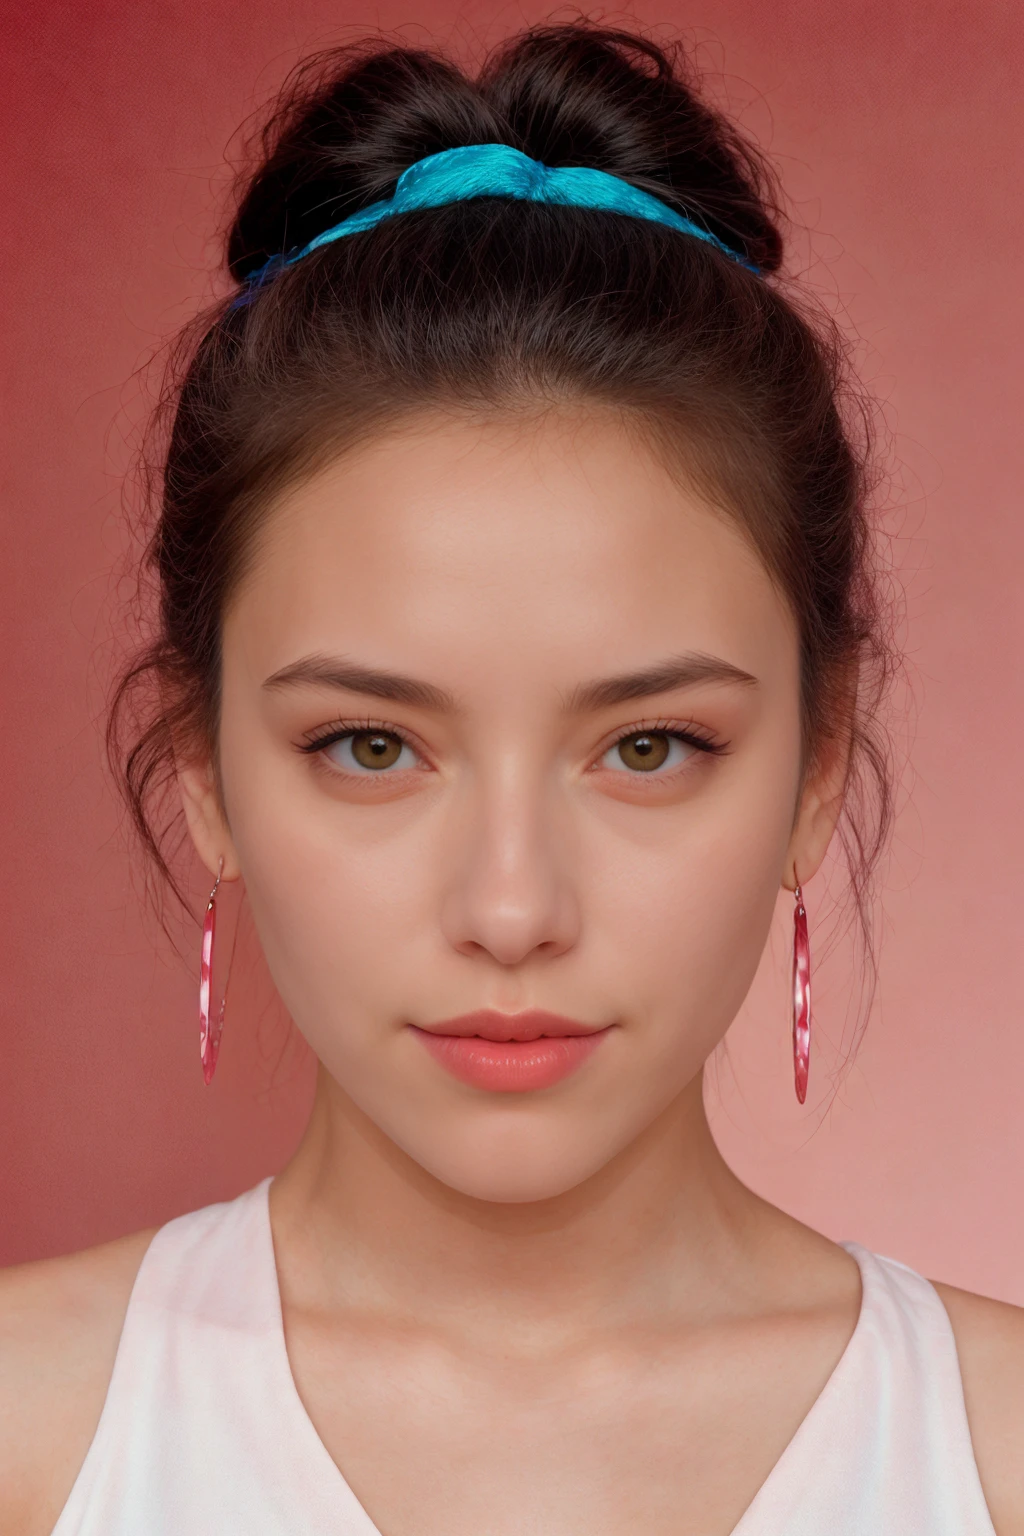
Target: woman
518 647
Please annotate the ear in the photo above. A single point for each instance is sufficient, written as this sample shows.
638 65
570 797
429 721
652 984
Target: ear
204 813
818 812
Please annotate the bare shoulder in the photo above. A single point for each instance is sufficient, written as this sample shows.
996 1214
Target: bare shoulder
990 1343
60 1322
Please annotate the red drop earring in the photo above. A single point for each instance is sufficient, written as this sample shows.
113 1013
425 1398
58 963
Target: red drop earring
801 997
210 1029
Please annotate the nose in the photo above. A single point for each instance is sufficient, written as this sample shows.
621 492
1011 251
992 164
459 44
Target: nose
510 891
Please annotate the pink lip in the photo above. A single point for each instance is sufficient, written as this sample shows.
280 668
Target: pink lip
510 1052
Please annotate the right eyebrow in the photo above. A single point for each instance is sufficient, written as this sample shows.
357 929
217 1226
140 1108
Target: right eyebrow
338 672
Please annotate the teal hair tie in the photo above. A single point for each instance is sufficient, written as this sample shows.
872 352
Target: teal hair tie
498 170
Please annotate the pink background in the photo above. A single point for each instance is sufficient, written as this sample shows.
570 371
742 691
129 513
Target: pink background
897 127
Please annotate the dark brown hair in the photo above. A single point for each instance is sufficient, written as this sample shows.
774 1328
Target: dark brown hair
493 305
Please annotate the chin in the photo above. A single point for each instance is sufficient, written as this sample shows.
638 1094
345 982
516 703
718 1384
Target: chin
521 1164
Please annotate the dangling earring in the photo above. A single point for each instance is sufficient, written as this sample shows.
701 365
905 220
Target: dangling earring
210 1030
801 997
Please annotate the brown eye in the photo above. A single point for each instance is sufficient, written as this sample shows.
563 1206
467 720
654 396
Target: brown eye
646 751
375 749
369 751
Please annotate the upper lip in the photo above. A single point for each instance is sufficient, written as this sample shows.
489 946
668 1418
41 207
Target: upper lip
489 1024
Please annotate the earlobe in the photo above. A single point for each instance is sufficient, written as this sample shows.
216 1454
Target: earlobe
811 837
206 821
821 805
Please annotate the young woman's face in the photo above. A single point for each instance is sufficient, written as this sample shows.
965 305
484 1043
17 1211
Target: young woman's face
510 722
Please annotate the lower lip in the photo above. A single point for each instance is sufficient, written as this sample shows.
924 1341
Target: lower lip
510 1066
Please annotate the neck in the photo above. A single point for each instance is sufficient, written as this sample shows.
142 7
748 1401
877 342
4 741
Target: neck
358 1223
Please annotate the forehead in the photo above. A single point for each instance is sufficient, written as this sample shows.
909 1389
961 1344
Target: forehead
560 539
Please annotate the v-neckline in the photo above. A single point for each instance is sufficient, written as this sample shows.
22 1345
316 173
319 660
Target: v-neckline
332 1484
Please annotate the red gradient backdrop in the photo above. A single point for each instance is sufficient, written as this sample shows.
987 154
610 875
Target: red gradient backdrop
897 127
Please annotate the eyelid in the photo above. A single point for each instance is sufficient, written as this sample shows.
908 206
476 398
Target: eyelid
688 730
325 736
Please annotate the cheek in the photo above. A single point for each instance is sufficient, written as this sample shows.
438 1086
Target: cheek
335 891
332 924
689 918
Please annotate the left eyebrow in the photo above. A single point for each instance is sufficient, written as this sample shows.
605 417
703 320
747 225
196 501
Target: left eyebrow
674 672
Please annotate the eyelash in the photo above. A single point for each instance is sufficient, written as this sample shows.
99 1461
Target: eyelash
691 735
342 728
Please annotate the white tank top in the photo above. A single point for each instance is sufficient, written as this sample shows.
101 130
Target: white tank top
203 1432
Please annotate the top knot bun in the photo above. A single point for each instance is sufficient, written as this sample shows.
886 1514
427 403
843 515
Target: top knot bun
351 120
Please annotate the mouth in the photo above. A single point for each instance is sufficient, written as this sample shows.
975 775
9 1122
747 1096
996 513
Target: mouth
511 1052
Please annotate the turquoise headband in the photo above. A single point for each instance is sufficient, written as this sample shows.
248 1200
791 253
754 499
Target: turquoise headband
498 170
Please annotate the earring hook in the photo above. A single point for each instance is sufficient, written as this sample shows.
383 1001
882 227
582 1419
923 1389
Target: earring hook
216 883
